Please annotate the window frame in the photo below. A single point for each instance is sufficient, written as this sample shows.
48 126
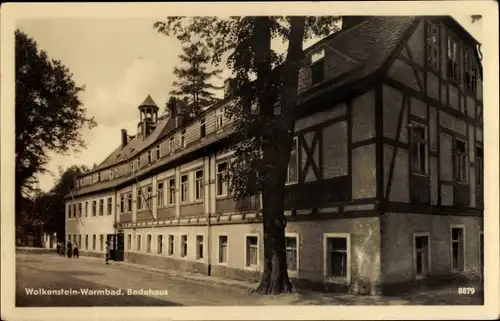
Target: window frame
94 242
197 253
222 181
294 273
101 207
450 40
335 279
158 152
470 71
219 235
465 156
129 242
159 244
138 243
182 139
171 191
150 156
429 264
288 181
101 242
183 185
464 259
171 245
433 64
253 267
94 208
199 189
183 244
109 206
203 128
414 125
171 144
149 243
160 194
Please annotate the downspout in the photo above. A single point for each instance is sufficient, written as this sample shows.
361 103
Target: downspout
209 200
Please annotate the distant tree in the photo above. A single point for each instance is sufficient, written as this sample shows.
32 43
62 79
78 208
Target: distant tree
49 114
263 138
49 207
193 88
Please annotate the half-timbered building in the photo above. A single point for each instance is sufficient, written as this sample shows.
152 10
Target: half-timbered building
385 180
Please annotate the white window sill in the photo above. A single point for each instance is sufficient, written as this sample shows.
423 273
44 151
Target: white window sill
337 280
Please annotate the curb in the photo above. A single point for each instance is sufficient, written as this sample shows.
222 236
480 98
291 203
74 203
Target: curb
189 277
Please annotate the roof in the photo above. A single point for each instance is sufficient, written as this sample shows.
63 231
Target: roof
359 52
148 102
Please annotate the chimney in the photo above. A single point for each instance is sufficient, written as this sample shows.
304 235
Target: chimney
124 137
229 86
351 21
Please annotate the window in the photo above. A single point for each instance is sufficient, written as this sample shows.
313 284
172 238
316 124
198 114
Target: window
138 243
219 119
171 146
129 202
80 209
203 128
452 61
470 71
69 210
460 161
183 138
479 166
148 243
317 67
110 205
149 156
170 245
129 242
110 174
222 179
199 185
94 208
140 204
159 247
223 249
86 208
99 176
422 255
292 258
184 188
86 241
171 191
252 251
291 176
159 194
138 162
457 249
432 46
101 242
184 248
79 241
481 251
122 203
199 247
337 256
158 152
101 207
418 148
94 238
149 191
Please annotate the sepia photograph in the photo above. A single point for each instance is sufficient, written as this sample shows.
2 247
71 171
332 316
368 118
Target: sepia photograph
198 159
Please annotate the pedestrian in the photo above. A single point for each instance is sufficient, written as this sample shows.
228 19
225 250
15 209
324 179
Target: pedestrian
76 252
62 250
108 252
69 249
58 248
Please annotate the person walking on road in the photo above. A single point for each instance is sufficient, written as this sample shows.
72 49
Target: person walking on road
76 252
69 249
108 252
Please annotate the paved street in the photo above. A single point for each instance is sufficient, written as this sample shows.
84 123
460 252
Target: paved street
51 272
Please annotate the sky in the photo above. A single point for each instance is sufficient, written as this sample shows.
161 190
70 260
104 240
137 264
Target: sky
120 61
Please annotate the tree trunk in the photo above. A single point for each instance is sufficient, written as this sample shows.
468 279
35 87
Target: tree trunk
275 275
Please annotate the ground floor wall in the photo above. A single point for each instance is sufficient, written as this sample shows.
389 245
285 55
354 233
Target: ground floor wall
443 252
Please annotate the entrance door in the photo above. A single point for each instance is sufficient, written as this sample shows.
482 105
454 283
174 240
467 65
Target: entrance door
119 247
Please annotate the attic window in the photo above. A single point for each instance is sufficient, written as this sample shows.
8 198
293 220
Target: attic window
317 67
452 62
149 156
432 46
470 72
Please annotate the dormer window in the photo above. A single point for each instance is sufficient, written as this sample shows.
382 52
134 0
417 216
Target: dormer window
317 66
158 152
452 61
183 138
203 128
432 46
98 177
149 156
138 162
110 174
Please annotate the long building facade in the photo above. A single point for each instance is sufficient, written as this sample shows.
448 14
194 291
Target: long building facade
385 180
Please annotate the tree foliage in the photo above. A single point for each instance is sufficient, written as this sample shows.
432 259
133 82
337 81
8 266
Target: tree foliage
49 114
49 207
193 89
263 113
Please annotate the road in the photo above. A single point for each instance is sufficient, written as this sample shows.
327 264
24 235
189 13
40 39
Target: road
51 272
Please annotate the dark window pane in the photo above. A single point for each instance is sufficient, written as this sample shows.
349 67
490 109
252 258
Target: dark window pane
338 265
338 243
